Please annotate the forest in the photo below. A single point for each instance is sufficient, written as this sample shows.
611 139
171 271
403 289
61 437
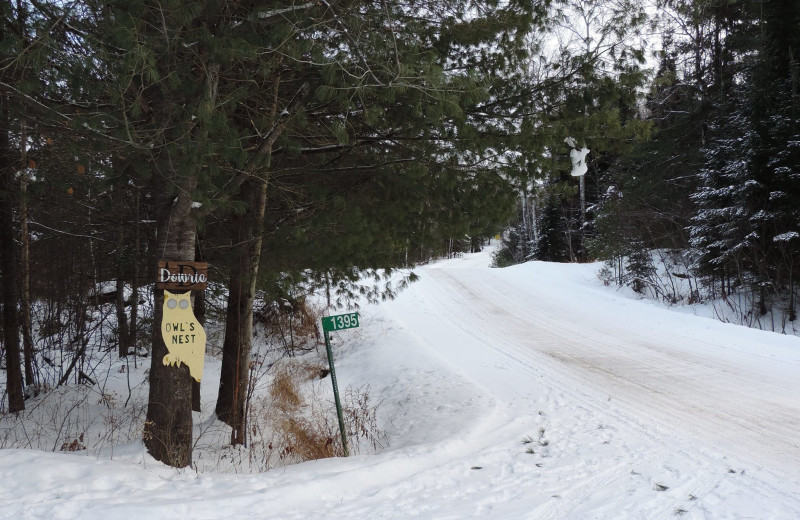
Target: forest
327 147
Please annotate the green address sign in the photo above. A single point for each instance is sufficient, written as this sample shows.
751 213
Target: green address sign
342 321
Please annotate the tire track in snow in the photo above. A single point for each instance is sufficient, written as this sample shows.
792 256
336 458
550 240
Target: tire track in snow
558 507
642 376
649 395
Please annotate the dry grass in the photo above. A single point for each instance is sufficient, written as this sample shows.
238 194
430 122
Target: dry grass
284 390
297 421
316 435
308 439
361 420
313 371
301 433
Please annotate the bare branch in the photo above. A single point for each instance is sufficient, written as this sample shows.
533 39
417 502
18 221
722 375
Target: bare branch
276 12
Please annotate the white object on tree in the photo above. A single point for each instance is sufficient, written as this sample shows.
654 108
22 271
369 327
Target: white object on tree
578 157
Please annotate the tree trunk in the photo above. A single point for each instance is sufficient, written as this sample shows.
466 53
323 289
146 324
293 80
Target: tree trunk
237 345
133 339
582 252
122 318
25 274
200 314
8 262
235 351
168 429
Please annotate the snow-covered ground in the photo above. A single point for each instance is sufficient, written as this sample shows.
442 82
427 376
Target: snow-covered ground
526 392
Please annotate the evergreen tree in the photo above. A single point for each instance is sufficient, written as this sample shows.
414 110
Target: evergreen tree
722 237
746 223
553 244
651 189
647 191
26 43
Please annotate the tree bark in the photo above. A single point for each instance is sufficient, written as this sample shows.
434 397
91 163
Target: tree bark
25 263
8 262
582 254
235 352
133 337
168 428
200 314
231 400
232 396
122 319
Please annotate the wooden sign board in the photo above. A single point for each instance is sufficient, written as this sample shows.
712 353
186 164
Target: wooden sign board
176 275
183 335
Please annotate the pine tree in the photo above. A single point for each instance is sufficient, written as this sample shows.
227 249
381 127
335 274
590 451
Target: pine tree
24 40
647 191
8 263
165 63
746 223
554 244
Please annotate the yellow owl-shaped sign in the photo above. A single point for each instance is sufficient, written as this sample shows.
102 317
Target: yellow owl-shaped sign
183 335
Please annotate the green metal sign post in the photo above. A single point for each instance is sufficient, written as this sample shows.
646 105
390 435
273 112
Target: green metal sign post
330 324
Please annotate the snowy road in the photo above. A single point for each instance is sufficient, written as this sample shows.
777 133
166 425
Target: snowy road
530 392
703 382
688 392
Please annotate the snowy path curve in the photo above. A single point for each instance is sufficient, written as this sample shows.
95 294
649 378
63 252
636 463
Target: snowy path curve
747 403
695 392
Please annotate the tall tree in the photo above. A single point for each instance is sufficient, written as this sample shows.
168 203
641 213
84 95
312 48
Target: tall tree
8 264
745 229
19 87
165 67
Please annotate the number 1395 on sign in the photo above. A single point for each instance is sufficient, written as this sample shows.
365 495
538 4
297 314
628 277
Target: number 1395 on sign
342 321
